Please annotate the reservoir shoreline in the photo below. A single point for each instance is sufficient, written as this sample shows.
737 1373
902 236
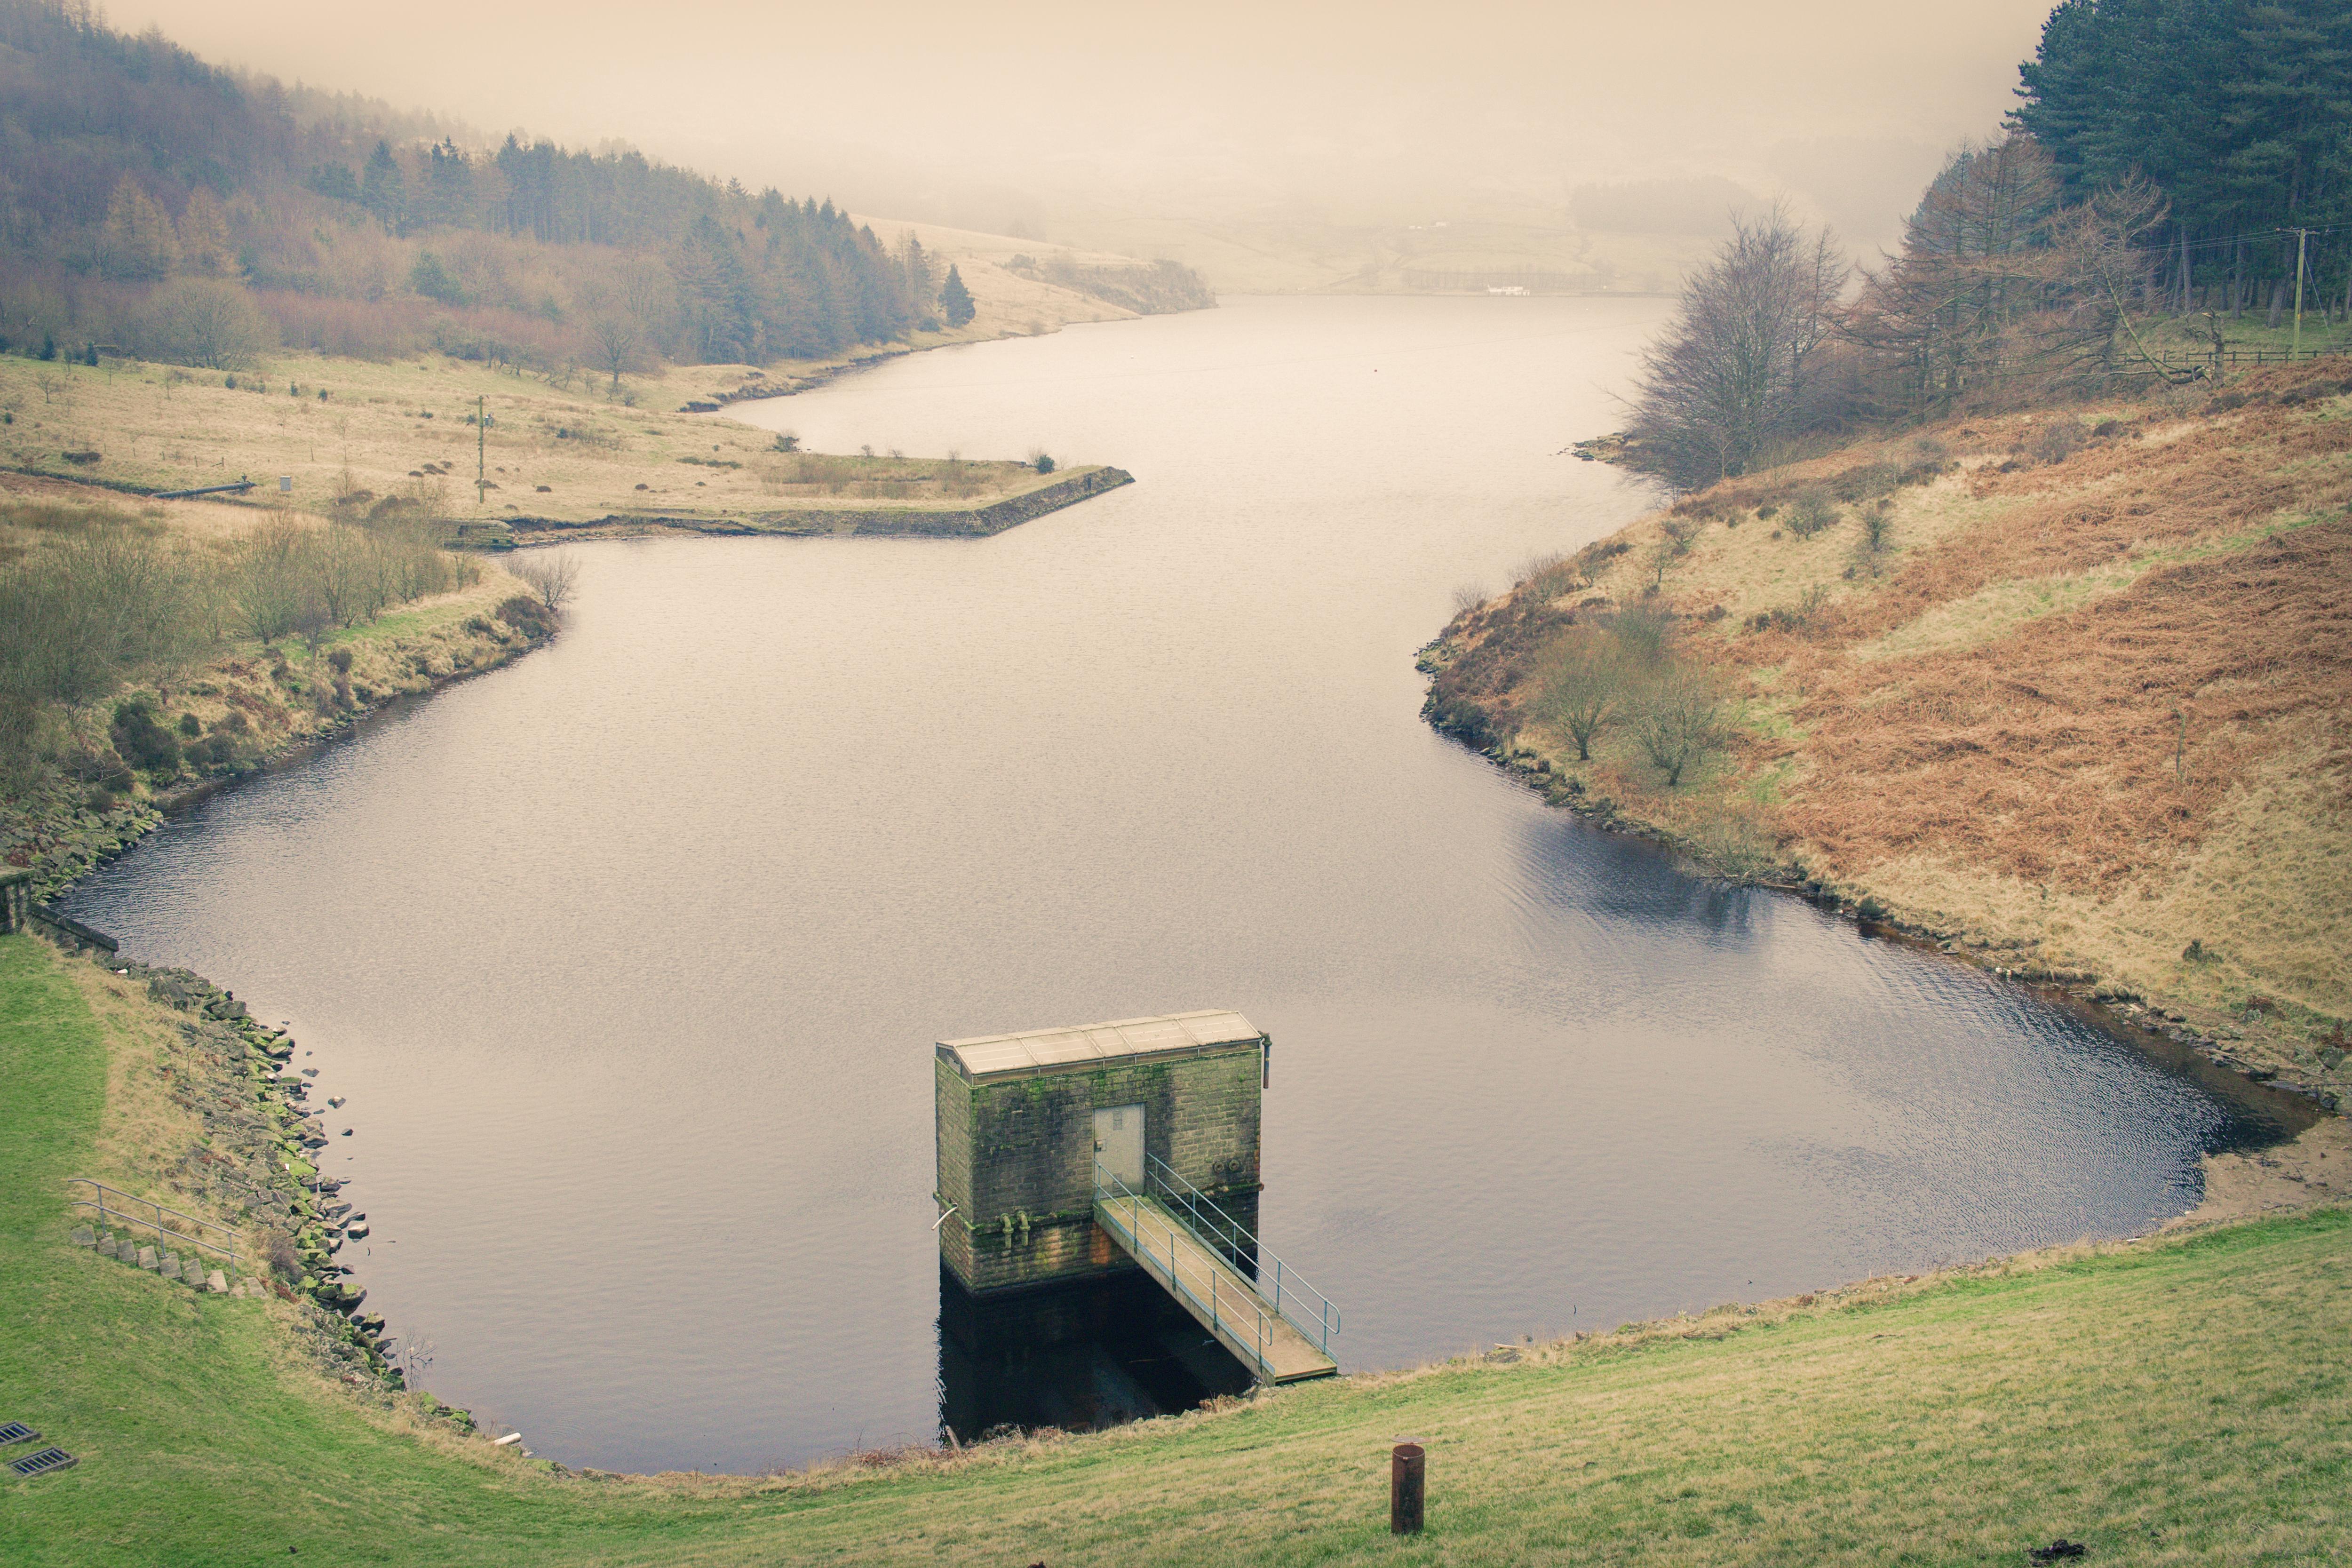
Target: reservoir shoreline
1057 544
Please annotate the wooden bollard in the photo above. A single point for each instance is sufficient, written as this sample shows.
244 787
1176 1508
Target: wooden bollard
1406 1473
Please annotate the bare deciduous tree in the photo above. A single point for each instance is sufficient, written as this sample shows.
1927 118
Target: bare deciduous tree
620 317
1677 717
206 322
1733 375
550 577
1583 686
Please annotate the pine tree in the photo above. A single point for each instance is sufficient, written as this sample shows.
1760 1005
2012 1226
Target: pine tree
955 300
382 189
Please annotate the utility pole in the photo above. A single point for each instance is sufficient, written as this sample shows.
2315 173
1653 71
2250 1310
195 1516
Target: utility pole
482 425
2302 242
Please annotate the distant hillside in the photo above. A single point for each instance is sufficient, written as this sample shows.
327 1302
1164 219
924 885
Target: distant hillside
155 203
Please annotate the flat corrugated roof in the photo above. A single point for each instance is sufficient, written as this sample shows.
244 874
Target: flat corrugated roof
1087 1044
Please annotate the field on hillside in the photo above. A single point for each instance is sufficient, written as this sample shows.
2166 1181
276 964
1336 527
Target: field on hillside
2071 687
2169 1402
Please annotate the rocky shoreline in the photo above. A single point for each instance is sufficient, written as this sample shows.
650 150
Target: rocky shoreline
255 1163
255 1159
2122 1011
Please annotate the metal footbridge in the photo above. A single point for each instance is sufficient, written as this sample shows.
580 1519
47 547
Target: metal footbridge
1273 1322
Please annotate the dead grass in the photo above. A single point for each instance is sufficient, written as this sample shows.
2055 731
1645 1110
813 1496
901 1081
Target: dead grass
564 448
1986 730
2049 754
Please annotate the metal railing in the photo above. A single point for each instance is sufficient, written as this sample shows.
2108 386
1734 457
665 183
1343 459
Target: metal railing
162 1231
1154 1238
1293 1297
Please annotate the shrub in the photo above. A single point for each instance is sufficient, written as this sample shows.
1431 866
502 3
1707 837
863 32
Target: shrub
1810 512
1594 556
145 744
1866 482
1877 529
2058 440
527 616
279 1251
550 577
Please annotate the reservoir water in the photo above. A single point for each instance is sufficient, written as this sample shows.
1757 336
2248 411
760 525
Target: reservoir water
629 957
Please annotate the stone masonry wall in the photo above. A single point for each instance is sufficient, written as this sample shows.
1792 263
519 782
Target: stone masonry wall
1017 1157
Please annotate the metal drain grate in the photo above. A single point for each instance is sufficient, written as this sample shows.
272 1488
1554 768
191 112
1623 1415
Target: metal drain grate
16 1432
42 1463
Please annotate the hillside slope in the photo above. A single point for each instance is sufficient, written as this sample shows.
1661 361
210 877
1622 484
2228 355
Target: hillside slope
2086 712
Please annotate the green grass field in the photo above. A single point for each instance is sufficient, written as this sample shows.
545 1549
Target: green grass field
2177 1401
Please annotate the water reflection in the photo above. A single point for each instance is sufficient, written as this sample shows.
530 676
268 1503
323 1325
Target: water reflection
1079 1357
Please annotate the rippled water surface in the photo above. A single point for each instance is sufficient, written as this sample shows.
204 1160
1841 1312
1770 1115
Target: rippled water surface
629 957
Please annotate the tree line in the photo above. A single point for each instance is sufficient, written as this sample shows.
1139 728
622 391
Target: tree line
127 164
2238 112
2159 148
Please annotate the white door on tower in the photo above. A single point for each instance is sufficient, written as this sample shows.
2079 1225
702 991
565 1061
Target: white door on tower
1119 1143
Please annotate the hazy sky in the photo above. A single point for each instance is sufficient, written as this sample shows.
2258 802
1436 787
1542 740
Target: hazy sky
1347 113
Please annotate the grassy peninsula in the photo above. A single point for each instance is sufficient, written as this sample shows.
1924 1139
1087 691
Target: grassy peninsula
366 440
2175 1400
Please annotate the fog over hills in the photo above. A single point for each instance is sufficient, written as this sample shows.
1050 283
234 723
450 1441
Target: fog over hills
1271 146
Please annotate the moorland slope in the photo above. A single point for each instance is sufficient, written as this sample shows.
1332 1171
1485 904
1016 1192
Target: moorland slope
2066 690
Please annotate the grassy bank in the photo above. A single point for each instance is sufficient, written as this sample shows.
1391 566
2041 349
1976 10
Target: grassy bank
140 677
2067 687
2171 1402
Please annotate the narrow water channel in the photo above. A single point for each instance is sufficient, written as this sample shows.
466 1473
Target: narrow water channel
629 957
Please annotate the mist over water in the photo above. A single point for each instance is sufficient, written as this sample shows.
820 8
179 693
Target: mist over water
630 956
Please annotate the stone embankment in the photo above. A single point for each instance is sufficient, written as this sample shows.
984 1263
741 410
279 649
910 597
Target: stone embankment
971 522
252 1161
